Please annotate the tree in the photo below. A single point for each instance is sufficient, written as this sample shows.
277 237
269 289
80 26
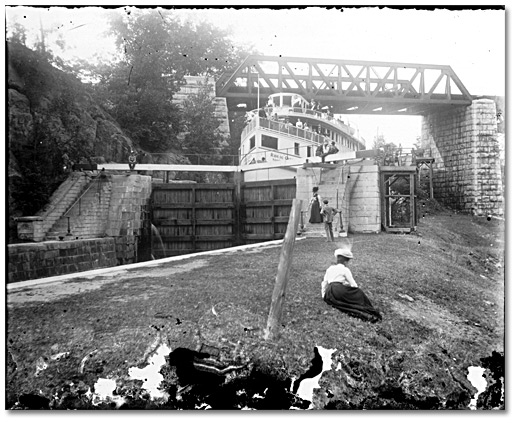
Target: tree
157 50
379 142
18 34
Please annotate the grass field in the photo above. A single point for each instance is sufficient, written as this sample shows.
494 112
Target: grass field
440 291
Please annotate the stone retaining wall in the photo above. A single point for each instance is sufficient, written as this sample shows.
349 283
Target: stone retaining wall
359 193
364 206
465 146
52 258
130 195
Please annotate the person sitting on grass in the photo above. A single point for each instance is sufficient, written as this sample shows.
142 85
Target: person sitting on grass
340 290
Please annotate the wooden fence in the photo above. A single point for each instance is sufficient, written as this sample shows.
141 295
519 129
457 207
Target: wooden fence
191 217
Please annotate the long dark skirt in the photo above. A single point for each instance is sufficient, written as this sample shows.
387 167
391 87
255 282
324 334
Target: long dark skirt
315 217
352 301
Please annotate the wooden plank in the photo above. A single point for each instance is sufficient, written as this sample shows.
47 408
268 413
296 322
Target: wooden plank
169 167
198 238
383 203
187 222
404 169
193 225
254 220
276 202
266 237
398 229
238 180
175 186
169 206
412 201
281 182
272 330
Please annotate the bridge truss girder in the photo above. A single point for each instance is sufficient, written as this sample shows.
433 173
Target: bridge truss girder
349 87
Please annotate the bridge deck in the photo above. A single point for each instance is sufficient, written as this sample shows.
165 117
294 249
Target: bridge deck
350 87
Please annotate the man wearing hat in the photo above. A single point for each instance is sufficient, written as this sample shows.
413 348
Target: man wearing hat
340 290
328 214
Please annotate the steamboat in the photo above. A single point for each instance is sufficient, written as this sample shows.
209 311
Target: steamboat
289 130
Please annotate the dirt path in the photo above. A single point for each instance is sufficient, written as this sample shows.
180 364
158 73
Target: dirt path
63 287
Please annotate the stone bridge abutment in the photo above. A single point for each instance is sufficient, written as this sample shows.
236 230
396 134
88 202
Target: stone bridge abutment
466 171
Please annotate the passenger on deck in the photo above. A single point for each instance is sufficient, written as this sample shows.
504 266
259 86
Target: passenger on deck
306 126
333 148
299 124
329 114
340 290
326 150
319 150
314 106
249 116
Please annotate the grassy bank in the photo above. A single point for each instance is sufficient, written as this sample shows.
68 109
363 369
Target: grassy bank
440 291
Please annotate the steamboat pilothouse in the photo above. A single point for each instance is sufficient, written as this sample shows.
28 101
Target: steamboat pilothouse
291 128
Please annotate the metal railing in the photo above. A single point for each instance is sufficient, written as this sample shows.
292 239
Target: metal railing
287 128
283 128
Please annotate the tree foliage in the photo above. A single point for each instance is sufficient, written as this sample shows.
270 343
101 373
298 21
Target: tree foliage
380 142
18 34
157 49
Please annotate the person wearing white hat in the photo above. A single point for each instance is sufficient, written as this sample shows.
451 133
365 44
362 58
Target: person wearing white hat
340 290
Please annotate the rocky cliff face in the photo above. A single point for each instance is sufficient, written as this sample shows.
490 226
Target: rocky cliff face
42 97
52 123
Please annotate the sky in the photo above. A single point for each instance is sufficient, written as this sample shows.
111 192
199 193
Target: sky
472 42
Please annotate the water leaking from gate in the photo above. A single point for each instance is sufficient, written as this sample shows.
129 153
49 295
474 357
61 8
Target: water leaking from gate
156 236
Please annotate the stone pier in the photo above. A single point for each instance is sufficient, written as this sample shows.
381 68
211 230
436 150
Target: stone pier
465 146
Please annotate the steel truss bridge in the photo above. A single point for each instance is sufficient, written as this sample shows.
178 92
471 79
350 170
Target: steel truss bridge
349 87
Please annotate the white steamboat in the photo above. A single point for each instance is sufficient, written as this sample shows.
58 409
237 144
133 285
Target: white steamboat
289 130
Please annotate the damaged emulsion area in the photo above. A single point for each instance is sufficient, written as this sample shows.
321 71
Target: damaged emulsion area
207 383
197 380
191 380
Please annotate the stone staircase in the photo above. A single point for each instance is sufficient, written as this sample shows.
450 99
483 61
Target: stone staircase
63 198
88 215
332 181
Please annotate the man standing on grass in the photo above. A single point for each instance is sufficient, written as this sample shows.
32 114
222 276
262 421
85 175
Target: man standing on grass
328 214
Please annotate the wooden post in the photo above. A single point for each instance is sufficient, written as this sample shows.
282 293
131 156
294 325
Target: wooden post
193 220
272 330
431 180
